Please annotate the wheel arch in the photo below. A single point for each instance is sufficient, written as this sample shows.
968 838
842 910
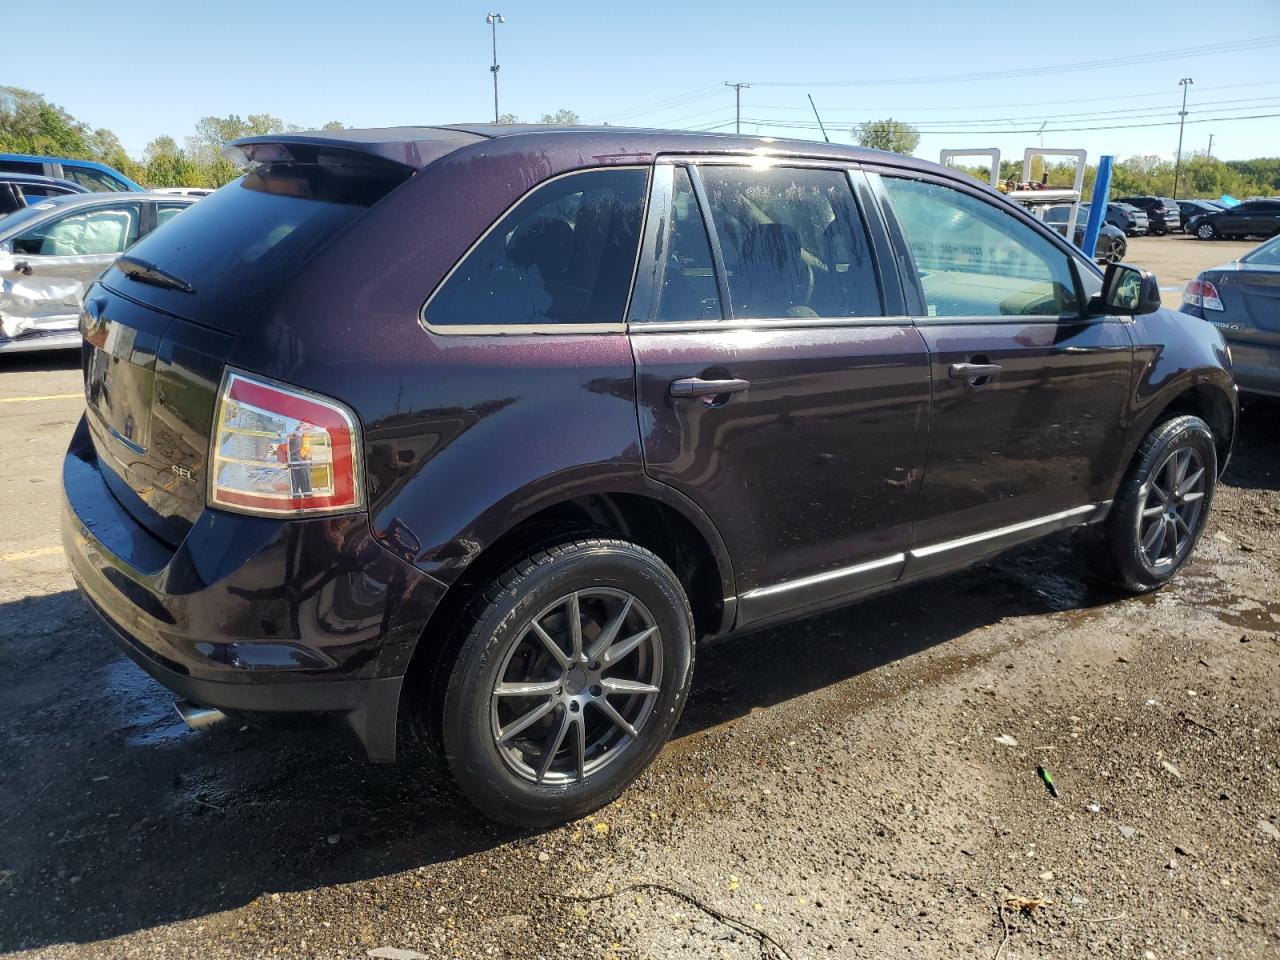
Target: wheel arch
678 532
1205 398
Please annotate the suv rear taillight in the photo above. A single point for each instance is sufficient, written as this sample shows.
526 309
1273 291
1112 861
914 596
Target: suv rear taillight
1202 293
278 450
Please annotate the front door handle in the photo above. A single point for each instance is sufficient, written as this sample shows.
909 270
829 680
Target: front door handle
23 268
697 387
973 371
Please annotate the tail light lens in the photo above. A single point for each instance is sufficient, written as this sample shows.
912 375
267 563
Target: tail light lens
1202 293
278 450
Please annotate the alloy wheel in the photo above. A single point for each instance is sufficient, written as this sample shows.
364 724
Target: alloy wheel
1172 508
577 688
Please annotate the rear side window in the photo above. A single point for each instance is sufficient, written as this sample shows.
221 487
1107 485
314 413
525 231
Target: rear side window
22 166
689 290
793 243
93 179
975 260
564 255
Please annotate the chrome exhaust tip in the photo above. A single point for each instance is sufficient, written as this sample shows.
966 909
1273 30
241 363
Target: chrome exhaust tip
197 717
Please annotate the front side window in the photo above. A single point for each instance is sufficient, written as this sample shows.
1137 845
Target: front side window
792 241
564 255
103 230
975 260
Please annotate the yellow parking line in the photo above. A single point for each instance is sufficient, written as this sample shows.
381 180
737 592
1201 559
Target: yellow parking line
28 554
48 396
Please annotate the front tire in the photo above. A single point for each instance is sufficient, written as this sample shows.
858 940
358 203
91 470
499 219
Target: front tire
1160 511
1206 231
572 676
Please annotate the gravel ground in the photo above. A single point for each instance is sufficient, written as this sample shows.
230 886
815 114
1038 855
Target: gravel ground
863 784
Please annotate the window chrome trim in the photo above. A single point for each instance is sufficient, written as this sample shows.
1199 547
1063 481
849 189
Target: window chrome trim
779 323
517 329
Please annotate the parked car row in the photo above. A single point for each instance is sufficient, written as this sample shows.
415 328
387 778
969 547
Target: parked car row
632 391
1111 246
1163 215
1252 218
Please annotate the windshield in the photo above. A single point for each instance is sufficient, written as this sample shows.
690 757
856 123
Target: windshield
240 246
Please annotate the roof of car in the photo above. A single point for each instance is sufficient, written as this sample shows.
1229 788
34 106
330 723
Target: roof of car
419 146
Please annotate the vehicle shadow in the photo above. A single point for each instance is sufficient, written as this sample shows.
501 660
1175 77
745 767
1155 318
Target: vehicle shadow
117 819
40 361
1255 464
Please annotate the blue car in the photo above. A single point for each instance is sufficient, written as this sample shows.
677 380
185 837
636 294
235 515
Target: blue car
90 175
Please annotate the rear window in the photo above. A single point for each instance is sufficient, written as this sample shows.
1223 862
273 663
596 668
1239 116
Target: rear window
239 246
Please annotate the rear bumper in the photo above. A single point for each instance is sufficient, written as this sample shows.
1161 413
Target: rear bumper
252 614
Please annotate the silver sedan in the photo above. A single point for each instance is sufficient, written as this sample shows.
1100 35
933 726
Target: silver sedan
52 251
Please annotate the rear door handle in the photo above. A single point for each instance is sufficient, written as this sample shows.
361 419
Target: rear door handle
697 387
972 371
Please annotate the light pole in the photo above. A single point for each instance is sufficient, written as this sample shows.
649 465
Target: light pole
1184 83
493 20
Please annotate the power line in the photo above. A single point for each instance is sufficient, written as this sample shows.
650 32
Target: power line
800 125
1231 46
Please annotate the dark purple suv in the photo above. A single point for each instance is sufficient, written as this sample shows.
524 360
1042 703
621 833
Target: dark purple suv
490 427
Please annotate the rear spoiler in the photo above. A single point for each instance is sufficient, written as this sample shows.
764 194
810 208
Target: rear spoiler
411 147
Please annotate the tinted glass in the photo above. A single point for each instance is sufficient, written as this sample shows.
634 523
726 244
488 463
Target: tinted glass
86 233
241 245
565 254
792 241
93 179
22 166
975 260
689 289
167 211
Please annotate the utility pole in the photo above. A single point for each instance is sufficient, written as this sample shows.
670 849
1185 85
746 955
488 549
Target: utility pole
1210 146
1184 83
493 20
737 99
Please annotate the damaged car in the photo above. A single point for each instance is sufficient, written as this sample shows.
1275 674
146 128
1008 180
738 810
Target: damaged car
51 251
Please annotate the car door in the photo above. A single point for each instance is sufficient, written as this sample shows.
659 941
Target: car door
780 386
52 264
1029 396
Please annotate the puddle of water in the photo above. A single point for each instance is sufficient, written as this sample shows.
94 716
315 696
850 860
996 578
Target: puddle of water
137 704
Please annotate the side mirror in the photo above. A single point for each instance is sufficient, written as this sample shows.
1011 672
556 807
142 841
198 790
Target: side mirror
1127 291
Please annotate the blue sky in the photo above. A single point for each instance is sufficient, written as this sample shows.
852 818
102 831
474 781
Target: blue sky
152 68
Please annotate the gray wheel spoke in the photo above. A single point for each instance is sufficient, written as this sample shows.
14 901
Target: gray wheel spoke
1170 542
556 742
623 647
627 686
530 718
1193 496
549 642
1181 461
1182 525
610 631
1190 483
575 625
1152 538
619 721
531 688
580 726
1153 511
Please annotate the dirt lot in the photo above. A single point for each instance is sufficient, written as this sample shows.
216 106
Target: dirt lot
836 785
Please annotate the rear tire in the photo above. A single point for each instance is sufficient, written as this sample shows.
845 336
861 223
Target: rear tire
1160 510
543 723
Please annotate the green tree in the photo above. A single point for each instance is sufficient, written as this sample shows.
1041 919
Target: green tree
334 125
565 118
30 124
892 135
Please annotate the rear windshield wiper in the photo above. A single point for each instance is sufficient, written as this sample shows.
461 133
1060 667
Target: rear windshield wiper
145 272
